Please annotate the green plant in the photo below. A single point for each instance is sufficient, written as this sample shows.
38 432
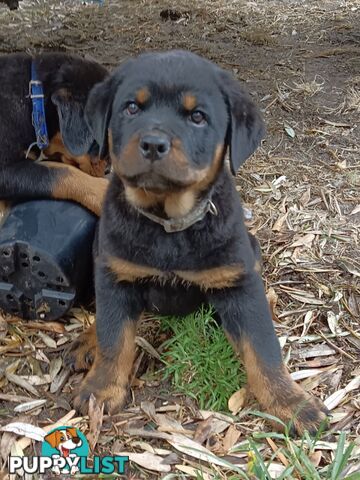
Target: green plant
200 361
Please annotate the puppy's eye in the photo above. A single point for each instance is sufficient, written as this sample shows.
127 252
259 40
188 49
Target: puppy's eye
198 118
132 109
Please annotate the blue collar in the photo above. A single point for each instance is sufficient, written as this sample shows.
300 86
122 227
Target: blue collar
36 94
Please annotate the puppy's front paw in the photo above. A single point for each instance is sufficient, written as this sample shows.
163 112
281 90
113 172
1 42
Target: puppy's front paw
303 412
309 414
112 395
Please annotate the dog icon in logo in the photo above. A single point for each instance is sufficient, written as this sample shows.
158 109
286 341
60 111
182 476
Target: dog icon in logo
63 442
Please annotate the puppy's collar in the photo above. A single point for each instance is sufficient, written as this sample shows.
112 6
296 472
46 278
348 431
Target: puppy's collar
197 214
36 93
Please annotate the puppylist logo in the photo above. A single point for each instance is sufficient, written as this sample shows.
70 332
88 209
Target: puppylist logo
65 450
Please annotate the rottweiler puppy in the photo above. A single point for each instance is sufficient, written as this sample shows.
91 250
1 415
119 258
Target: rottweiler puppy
172 233
67 81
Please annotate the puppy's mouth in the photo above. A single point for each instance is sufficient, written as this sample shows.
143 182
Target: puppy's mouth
154 183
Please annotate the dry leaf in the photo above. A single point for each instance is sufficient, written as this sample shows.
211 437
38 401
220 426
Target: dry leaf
304 240
338 396
168 424
194 449
308 319
289 130
355 210
277 451
237 401
21 383
315 458
333 322
208 427
147 460
49 342
272 298
26 407
306 298
278 225
351 267
55 327
231 437
96 415
317 351
3 327
25 430
145 345
7 441
59 381
55 367
220 416
305 197
36 380
194 472
301 374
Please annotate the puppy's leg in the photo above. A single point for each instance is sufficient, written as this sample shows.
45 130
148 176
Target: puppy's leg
118 308
27 180
247 322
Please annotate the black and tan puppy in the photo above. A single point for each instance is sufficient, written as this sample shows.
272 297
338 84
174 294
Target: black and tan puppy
172 234
67 81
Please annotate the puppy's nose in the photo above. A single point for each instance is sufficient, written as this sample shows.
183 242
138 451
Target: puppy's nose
76 440
154 146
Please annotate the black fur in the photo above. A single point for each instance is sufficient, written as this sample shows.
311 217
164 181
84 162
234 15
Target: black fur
217 241
21 178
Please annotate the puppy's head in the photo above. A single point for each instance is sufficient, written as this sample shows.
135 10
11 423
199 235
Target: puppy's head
167 119
75 143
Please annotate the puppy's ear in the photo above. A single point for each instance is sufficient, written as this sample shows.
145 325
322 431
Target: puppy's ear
98 112
75 132
53 438
246 127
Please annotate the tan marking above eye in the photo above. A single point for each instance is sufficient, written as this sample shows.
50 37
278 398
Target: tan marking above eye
142 95
189 101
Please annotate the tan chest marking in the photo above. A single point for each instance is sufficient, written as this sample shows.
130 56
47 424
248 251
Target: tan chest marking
212 278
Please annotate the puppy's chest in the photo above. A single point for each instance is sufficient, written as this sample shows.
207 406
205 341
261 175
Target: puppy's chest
218 277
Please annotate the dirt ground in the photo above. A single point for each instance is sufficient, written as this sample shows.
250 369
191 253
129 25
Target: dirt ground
301 62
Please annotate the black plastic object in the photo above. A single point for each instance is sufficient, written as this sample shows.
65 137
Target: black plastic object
45 258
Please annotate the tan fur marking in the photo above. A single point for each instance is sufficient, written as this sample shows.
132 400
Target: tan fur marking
189 101
258 266
277 393
57 148
178 154
142 95
4 206
209 174
142 198
109 376
82 349
179 204
76 185
213 278
130 272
